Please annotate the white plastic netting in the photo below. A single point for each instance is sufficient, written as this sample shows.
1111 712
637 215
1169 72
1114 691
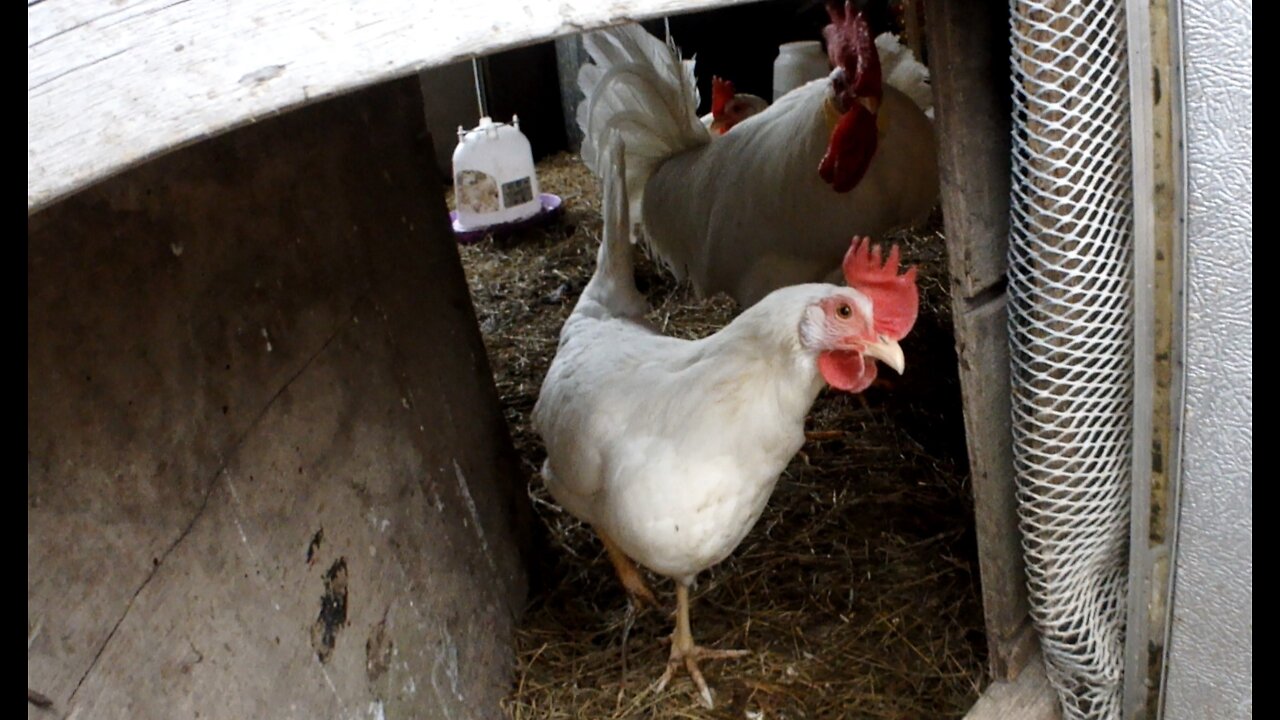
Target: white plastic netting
1071 330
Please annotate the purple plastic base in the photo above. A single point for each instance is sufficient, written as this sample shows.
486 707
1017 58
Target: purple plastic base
552 206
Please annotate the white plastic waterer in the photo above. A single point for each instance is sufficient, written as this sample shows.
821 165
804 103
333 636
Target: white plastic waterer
494 181
797 64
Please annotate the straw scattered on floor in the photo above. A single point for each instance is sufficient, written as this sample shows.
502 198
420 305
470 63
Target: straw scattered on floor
856 591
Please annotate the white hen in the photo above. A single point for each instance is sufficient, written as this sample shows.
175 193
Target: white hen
730 107
670 448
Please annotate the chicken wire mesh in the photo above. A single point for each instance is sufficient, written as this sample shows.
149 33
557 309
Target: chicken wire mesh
1071 330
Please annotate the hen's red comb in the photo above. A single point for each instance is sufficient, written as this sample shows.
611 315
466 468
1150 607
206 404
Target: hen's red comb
721 93
895 299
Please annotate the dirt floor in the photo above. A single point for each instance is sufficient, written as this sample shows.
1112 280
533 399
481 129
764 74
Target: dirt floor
857 591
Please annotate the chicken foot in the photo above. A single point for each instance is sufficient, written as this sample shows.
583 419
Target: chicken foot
628 573
685 652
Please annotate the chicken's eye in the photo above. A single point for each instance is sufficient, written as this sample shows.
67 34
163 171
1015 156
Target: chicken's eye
844 312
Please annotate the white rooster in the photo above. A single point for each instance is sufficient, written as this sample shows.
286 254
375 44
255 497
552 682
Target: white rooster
670 448
774 202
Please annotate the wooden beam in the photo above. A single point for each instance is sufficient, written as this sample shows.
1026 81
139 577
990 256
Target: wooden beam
969 61
111 83
911 27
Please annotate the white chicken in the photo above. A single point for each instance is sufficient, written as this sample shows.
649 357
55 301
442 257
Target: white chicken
774 202
670 448
729 107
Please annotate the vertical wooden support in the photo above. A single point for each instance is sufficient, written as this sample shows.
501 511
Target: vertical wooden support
969 58
570 56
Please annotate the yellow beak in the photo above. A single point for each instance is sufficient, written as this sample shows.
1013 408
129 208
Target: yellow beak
888 352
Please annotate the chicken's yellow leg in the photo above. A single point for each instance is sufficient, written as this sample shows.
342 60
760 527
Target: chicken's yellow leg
685 652
627 571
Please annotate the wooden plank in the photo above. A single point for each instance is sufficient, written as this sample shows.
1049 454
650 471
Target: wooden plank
571 55
911 27
969 61
445 371
111 84
982 342
1030 697
267 474
969 58
1155 92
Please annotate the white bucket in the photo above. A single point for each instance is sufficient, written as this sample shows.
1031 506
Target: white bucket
797 64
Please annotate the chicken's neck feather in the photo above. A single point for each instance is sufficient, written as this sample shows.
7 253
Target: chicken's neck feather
760 352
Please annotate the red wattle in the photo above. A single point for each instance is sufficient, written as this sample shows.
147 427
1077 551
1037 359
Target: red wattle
850 150
845 370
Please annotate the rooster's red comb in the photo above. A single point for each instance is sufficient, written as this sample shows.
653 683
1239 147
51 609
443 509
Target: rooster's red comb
851 46
895 299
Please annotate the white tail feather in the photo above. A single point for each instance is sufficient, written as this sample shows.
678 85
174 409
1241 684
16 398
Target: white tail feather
613 286
639 87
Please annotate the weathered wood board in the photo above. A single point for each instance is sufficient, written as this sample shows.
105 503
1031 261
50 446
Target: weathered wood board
267 475
969 60
111 83
1029 697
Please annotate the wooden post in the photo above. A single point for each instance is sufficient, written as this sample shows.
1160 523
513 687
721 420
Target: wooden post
969 58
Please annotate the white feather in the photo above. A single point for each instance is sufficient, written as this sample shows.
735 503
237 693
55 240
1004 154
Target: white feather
639 87
901 70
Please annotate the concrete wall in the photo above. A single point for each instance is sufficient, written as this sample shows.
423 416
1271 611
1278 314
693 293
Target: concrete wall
267 475
1210 652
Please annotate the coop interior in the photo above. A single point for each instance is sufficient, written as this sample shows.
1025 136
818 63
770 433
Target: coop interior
858 593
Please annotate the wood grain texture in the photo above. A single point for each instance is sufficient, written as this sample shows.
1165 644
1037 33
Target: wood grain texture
969 58
982 344
267 475
969 61
1030 697
111 83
